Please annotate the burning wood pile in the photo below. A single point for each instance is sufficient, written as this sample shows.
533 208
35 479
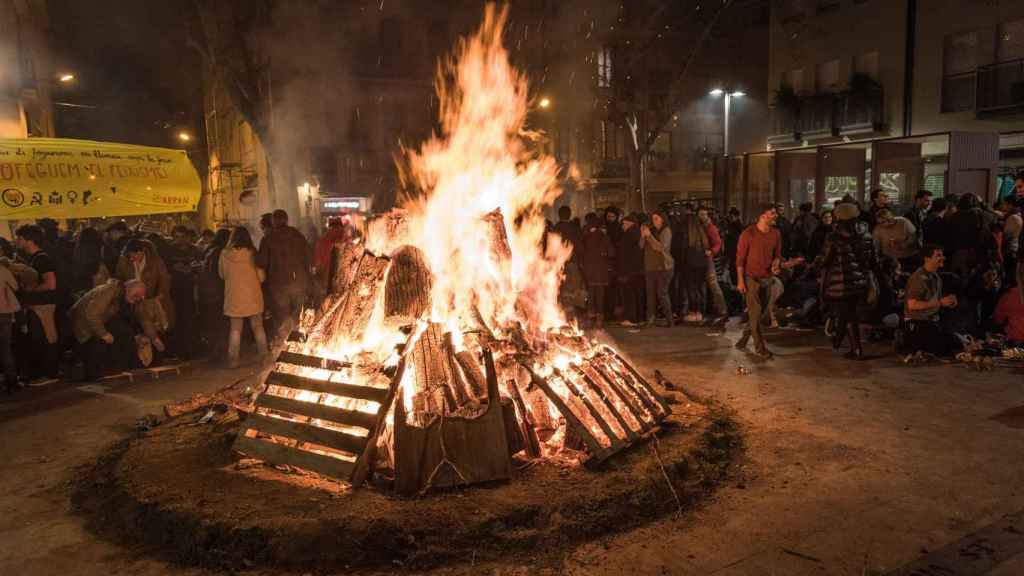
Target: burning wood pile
441 351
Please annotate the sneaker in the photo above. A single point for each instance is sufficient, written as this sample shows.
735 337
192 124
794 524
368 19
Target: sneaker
764 354
741 344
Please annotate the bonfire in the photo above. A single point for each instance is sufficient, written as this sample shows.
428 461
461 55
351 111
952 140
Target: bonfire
441 353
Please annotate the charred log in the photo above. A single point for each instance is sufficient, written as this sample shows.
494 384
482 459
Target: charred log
408 285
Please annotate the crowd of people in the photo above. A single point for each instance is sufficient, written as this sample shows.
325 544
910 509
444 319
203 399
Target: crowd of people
934 278
93 302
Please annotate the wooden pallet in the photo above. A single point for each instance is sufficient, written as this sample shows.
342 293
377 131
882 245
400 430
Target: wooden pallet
301 430
607 391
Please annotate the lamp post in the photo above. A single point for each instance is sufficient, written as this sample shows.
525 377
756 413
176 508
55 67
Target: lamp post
727 100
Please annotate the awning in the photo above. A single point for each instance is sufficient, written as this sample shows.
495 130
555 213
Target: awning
60 178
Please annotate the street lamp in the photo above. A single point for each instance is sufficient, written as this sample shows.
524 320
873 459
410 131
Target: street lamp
66 78
727 100
184 136
545 102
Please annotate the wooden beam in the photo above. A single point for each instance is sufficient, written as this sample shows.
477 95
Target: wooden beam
645 421
335 388
306 432
616 442
596 450
642 382
631 435
364 462
308 361
280 454
314 410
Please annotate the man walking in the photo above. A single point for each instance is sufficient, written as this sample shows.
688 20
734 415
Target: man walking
41 301
284 257
758 259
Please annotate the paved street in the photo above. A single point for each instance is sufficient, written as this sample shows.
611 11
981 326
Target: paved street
851 468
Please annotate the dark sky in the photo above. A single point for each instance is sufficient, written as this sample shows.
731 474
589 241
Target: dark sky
132 62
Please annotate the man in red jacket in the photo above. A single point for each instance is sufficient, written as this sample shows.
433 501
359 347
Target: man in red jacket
758 259
714 251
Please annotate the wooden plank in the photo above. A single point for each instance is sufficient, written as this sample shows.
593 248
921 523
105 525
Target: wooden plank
365 461
320 411
336 388
642 382
279 454
645 421
524 421
408 286
307 433
571 419
616 442
630 434
474 375
307 361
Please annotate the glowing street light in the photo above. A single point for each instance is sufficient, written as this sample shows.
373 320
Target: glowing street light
184 136
65 78
545 102
726 101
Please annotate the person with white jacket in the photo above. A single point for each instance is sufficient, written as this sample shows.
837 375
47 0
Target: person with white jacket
243 296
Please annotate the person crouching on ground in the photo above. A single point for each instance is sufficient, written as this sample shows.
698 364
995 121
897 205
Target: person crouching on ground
924 300
658 266
758 259
243 297
846 263
100 321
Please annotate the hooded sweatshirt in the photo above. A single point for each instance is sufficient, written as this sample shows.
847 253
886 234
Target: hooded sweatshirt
896 237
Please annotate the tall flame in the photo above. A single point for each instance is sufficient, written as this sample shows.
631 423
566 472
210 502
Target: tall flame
481 161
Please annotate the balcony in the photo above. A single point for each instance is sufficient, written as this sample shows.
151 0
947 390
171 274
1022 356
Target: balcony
1000 88
828 116
860 113
612 168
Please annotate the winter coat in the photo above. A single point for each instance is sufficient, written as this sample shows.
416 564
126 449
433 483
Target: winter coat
243 296
284 257
154 275
94 309
936 231
817 241
896 238
846 261
571 235
597 250
968 229
629 253
8 288
657 246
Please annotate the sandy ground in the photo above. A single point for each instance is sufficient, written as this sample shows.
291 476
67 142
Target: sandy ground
851 468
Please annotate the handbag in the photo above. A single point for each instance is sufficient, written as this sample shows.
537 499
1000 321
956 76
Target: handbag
871 298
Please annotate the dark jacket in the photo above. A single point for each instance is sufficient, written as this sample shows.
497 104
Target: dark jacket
630 253
596 252
571 235
935 230
285 258
968 229
817 241
846 260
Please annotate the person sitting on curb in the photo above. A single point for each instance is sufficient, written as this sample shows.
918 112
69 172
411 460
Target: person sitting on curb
924 301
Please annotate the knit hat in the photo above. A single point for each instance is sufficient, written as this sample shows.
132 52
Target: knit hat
845 211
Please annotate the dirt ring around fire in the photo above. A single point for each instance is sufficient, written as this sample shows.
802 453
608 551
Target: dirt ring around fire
177 492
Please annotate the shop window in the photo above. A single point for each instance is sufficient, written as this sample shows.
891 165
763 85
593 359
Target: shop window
959 72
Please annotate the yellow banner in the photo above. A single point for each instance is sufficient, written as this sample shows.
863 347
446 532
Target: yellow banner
59 178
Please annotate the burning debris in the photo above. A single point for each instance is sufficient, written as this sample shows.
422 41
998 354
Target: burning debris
441 351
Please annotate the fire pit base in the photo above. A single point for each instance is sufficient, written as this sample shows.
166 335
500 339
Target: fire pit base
179 493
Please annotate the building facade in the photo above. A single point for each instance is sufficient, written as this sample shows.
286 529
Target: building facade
897 95
26 73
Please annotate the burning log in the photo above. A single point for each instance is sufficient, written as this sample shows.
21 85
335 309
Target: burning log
349 317
473 375
344 262
526 426
407 289
433 391
497 236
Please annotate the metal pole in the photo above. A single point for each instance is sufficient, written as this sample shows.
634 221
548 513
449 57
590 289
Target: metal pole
643 183
725 145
